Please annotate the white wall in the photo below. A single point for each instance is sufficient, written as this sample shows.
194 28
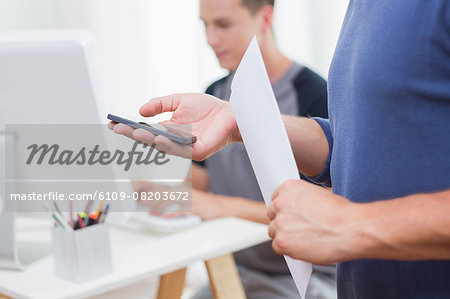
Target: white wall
148 48
307 30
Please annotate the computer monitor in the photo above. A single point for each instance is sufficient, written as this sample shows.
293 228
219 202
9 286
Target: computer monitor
46 77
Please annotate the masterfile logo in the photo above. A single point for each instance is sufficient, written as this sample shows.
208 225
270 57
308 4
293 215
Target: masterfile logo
53 155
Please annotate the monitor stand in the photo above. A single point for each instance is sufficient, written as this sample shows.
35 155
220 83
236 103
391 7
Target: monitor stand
16 254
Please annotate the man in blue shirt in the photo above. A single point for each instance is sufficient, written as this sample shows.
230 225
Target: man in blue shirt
385 151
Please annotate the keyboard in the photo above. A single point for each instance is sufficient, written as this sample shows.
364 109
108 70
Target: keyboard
165 225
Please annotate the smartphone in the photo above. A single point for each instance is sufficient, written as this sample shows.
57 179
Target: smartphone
172 134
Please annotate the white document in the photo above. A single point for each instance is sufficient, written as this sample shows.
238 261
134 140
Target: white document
265 138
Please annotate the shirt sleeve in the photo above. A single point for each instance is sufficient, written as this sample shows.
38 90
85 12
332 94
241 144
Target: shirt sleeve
200 163
324 178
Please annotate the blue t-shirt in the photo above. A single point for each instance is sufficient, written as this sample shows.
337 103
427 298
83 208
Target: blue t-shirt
389 128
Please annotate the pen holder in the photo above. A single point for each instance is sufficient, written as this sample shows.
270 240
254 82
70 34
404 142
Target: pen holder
82 254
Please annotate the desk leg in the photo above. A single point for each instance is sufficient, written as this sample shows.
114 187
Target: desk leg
171 285
224 278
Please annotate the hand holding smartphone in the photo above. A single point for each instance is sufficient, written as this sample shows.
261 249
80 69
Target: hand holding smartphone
170 133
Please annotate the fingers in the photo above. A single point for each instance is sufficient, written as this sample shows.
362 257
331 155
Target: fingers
160 208
170 215
159 105
173 148
276 248
142 135
272 230
271 213
123 130
275 205
276 193
161 143
142 186
289 184
275 208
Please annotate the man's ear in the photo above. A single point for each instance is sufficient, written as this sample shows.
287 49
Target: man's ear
267 16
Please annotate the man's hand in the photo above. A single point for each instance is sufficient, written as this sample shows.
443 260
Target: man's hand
205 205
212 123
311 223
208 206
148 192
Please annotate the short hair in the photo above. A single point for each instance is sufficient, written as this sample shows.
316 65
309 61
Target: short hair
255 5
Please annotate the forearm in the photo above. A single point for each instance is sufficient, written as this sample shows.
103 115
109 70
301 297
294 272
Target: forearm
309 144
415 227
199 178
217 206
244 208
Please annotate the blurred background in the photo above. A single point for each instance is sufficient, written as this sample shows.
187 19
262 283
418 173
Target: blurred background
148 48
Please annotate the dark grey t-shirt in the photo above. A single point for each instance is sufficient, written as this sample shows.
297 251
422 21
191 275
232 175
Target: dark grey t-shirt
231 173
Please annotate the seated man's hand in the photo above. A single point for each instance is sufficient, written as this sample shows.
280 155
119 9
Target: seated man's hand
212 123
207 206
163 199
204 205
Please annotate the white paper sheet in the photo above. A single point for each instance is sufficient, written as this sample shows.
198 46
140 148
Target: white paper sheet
265 138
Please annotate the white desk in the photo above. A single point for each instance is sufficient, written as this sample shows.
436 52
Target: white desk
136 255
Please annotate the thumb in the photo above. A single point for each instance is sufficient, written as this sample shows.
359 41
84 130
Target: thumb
159 105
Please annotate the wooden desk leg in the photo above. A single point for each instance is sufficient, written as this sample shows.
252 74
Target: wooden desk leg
171 285
224 278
